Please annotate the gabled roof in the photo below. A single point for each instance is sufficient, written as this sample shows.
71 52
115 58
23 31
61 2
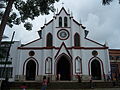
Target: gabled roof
64 47
30 42
63 10
95 42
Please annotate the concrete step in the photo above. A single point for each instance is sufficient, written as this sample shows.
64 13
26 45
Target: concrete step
65 85
76 89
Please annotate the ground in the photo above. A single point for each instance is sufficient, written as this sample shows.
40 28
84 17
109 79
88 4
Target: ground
76 89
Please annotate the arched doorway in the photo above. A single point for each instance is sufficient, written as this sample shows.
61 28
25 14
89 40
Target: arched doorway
64 68
96 70
30 70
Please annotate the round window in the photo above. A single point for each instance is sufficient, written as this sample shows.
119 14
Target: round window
94 53
63 34
31 53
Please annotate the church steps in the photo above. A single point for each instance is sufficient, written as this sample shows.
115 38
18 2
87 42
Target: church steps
63 85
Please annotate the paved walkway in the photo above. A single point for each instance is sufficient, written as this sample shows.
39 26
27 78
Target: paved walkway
76 89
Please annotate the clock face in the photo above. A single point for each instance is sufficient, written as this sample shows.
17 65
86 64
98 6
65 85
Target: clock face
63 34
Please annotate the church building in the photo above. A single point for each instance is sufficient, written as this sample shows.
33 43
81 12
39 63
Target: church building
62 52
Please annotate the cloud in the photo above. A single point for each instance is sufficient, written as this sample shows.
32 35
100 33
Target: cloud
102 21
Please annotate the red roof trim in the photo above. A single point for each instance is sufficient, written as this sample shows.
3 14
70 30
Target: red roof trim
63 27
61 11
95 42
30 42
114 53
37 48
114 49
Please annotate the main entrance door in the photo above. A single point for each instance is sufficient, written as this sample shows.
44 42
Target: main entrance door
96 70
63 68
30 70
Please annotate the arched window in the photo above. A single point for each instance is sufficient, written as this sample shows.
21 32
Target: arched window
49 40
77 40
60 21
48 65
65 22
78 65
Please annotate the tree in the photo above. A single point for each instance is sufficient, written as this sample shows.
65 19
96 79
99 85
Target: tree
107 2
26 9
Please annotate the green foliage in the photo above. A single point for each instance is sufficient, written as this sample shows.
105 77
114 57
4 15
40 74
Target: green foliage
29 9
107 2
28 26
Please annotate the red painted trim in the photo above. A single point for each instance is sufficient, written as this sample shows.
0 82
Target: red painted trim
66 37
88 48
61 11
51 65
114 49
63 27
101 64
69 60
28 59
38 48
63 44
95 42
30 42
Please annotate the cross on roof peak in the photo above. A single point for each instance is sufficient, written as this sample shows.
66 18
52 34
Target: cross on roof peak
62 4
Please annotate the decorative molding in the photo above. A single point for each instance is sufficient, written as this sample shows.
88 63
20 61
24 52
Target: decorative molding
95 42
69 60
64 11
30 42
101 64
60 36
28 59
63 44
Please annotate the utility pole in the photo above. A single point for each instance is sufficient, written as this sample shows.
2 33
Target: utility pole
7 57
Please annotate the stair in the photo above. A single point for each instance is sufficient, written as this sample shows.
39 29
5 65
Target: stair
63 85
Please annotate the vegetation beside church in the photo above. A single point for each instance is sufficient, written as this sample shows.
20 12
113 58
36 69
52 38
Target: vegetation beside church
28 9
107 2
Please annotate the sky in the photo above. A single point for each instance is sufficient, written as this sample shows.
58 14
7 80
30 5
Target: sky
102 22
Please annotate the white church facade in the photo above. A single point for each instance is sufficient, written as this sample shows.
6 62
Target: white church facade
62 49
